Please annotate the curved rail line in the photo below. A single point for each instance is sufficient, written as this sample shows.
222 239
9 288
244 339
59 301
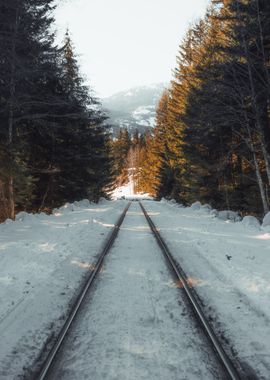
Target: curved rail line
180 274
108 244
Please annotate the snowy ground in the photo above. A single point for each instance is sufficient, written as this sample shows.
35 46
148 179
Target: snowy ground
228 265
44 260
136 324
127 191
123 191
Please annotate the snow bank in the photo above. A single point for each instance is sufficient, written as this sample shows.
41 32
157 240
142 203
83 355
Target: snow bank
229 215
66 208
69 207
224 215
214 213
266 220
8 221
21 216
85 203
206 208
24 216
172 203
196 206
251 221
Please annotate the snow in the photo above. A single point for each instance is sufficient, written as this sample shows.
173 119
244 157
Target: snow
228 265
127 191
124 191
133 318
214 212
251 221
229 215
152 122
145 116
43 262
142 111
266 220
196 206
206 207
135 324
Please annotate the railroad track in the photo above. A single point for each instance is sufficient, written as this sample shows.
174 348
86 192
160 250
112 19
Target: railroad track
63 333
221 355
198 312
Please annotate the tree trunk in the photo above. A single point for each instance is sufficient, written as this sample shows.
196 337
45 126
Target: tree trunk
45 195
265 61
4 211
254 102
10 183
261 185
266 160
11 198
251 146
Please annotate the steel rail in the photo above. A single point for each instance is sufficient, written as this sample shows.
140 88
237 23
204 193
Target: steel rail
107 246
180 274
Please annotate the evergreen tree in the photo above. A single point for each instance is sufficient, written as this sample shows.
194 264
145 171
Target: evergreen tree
78 164
53 141
25 48
216 122
120 148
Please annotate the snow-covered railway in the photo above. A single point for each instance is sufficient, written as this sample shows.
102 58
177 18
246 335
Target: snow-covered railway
192 298
81 296
133 324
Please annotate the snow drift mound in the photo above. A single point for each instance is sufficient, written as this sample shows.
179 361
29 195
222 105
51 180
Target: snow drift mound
266 220
251 221
229 215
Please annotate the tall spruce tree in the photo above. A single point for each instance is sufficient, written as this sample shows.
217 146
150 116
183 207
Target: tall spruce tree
120 147
26 50
53 142
79 148
217 119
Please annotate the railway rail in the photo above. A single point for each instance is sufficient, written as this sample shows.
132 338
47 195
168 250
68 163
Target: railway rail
108 244
222 357
198 312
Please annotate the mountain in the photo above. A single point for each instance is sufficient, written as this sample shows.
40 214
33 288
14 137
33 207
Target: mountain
135 108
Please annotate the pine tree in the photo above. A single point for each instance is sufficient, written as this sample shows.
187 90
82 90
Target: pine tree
53 140
120 147
78 165
216 128
25 48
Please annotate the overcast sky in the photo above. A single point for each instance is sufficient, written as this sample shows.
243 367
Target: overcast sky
126 43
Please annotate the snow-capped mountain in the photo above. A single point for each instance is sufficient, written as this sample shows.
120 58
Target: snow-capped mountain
135 108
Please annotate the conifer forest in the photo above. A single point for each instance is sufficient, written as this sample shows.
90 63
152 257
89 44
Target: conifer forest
212 136
211 141
53 139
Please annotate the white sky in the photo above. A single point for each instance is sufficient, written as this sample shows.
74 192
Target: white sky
126 43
